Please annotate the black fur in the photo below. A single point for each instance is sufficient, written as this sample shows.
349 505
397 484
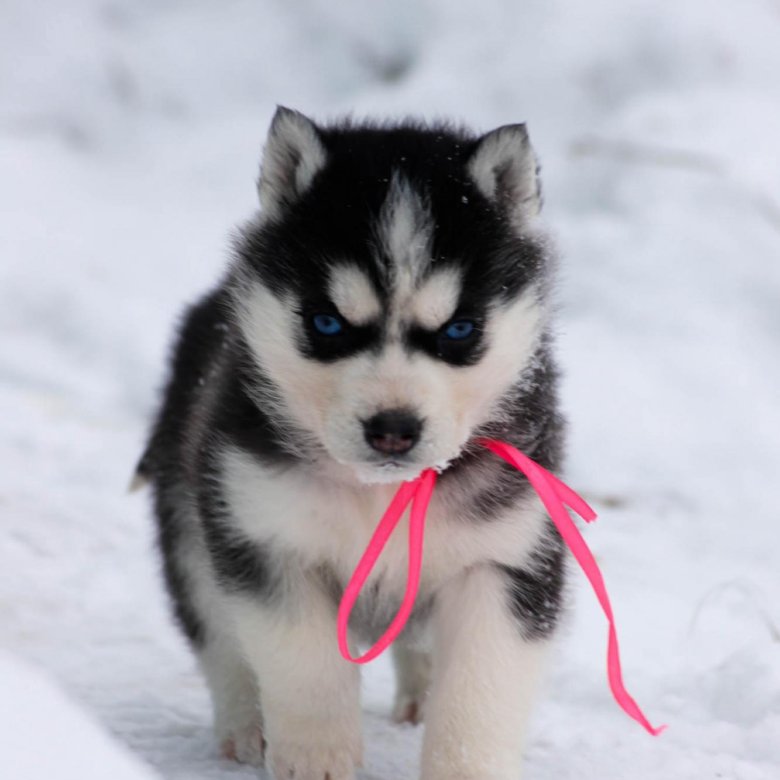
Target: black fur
180 477
336 218
240 564
202 335
350 341
536 591
170 531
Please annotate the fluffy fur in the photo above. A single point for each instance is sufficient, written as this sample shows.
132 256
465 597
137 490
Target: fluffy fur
269 474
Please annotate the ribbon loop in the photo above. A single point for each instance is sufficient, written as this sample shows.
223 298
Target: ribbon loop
418 493
554 494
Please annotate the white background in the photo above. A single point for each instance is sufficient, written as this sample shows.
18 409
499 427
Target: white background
130 135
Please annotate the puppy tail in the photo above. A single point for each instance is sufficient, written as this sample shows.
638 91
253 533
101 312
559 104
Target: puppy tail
141 474
137 481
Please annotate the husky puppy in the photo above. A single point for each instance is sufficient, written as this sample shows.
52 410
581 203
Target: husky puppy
389 305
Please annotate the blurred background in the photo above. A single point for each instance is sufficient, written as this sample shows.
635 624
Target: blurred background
130 138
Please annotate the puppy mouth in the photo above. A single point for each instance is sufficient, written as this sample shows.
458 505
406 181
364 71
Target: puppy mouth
397 469
378 468
387 470
407 459
392 465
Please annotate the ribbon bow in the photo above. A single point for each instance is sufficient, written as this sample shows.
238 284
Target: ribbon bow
555 496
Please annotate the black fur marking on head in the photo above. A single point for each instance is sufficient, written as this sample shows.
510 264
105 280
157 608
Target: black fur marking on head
352 339
337 218
462 352
536 590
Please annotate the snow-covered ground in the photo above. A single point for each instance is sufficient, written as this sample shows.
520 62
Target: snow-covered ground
130 134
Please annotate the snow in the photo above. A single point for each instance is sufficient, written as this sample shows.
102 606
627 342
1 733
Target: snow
71 750
130 135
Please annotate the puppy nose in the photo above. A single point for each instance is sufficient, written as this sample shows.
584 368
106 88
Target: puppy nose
393 432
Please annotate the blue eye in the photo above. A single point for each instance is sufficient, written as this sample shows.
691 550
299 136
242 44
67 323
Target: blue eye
460 329
327 324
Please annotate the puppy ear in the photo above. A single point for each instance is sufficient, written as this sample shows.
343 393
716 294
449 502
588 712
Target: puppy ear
504 168
293 155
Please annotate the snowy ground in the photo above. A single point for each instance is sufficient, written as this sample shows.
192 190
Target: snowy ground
129 138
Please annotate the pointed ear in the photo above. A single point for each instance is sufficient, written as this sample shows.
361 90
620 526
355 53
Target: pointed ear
293 155
504 168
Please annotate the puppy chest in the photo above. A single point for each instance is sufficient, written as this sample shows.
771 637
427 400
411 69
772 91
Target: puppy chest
324 525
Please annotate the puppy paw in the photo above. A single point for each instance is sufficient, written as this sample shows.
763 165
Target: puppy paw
413 674
244 744
408 708
290 759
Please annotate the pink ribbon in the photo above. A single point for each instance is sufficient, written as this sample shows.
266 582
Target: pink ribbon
555 496
418 492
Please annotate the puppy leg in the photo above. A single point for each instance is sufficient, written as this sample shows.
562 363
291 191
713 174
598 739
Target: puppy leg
484 678
413 678
310 694
238 723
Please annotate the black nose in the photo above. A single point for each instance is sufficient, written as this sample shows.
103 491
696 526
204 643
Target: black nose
393 432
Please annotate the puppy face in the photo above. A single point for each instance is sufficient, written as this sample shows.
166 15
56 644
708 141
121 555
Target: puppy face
393 291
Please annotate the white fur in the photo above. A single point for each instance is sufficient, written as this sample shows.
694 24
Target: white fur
405 235
232 683
269 326
484 673
316 518
311 696
330 400
238 722
485 678
353 295
437 299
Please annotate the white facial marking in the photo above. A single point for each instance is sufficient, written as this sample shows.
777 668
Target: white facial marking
405 235
270 327
437 299
353 295
513 333
329 401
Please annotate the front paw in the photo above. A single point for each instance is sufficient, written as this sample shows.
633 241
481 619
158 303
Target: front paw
487 771
294 758
244 744
467 766
408 708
